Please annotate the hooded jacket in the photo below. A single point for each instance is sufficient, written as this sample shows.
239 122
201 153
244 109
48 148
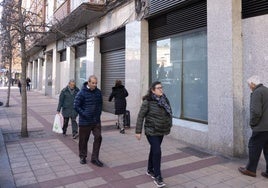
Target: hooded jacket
88 104
156 120
119 94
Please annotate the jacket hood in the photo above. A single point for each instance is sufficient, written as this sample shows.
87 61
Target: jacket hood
84 87
118 87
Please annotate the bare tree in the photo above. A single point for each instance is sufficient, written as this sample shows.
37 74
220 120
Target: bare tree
18 25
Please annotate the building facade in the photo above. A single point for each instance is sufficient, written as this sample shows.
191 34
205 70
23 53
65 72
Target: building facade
202 52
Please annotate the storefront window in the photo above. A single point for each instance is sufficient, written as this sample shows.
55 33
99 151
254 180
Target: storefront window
80 71
180 63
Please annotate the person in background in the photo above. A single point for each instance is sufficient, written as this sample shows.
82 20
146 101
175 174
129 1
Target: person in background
156 115
66 107
28 85
119 93
19 85
258 141
88 104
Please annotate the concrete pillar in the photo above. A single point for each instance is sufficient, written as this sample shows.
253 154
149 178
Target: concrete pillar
70 58
33 76
39 74
137 65
44 75
94 58
55 60
225 76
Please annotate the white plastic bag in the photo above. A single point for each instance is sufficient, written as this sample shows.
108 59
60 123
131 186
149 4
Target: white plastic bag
58 124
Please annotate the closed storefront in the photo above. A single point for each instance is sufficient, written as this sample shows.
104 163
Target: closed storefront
112 47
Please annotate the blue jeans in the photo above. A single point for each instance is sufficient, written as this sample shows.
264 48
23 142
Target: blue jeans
258 142
154 161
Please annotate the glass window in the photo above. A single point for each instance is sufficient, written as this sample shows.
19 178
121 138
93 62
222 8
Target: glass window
180 63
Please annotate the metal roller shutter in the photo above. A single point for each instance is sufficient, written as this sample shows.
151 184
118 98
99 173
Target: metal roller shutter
251 8
112 68
180 20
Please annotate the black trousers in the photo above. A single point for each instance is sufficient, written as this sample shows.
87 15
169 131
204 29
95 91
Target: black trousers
154 160
84 133
74 125
258 142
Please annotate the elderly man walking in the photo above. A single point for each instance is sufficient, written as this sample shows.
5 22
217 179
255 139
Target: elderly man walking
66 101
258 142
88 104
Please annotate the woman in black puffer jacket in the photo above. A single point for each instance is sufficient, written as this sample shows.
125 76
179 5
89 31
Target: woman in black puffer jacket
119 93
157 113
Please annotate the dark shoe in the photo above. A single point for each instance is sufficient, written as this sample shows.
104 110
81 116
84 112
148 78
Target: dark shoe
64 134
75 136
246 172
97 163
264 174
150 173
83 161
122 131
158 181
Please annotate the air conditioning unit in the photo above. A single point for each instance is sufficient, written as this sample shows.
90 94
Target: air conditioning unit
141 8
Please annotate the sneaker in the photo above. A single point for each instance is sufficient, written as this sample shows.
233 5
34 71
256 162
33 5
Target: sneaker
75 136
122 131
83 161
150 173
158 181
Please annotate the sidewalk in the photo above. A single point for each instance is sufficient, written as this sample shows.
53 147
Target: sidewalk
47 159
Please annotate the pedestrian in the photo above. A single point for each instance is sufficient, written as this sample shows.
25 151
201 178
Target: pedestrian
88 104
119 93
66 107
19 85
28 83
156 114
258 141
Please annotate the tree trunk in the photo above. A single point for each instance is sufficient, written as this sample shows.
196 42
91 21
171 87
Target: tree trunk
24 130
9 81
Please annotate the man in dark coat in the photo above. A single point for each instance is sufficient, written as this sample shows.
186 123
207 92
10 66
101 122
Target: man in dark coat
119 93
88 104
66 101
258 142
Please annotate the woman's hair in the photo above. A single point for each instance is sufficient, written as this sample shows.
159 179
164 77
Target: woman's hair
149 92
118 83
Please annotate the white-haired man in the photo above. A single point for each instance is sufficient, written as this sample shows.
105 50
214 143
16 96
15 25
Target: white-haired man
258 141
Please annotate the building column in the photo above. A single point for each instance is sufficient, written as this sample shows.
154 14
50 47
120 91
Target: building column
94 58
70 58
137 64
33 76
225 77
39 73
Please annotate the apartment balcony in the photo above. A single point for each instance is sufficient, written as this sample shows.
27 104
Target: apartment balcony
71 5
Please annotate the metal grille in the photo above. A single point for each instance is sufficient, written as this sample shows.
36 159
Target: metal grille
251 8
177 21
112 68
157 7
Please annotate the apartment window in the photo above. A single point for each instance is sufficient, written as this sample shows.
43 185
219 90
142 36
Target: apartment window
180 63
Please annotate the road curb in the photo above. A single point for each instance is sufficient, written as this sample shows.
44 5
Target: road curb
6 178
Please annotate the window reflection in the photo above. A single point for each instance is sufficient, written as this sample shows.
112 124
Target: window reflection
180 63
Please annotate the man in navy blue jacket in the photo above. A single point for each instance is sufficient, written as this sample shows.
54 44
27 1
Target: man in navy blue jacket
88 104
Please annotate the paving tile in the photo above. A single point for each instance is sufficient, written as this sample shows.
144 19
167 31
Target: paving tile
95 182
193 184
76 185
